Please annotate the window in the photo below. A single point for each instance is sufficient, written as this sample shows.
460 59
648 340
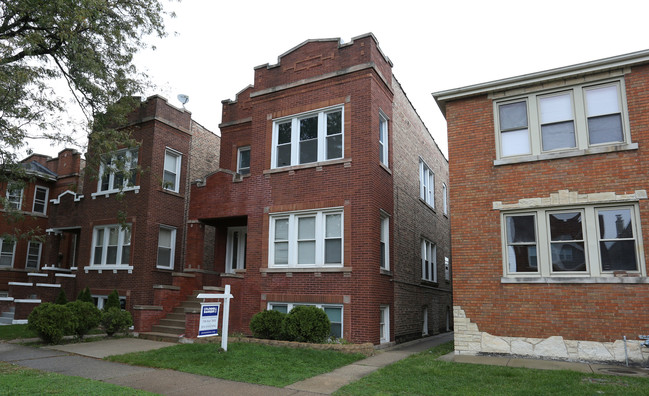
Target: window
100 301
586 241
383 139
171 176
306 239
40 200
426 184
7 249
385 241
14 197
384 324
243 160
33 255
428 261
424 330
308 138
334 313
235 254
445 198
447 269
575 118
111 246
166 247
118 171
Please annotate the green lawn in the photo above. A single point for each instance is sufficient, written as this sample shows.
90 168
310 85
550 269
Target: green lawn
244 362
17 380
15 331
422 374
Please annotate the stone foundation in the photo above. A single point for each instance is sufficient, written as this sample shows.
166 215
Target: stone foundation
469 340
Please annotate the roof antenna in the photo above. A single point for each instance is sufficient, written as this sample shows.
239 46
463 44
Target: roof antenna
182 98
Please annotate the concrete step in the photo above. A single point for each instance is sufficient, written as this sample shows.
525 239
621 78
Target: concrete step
176 316
155 336
6 321
190 304
7 315
173 330
172 322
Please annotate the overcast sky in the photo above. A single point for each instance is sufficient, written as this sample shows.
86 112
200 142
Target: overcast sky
433 45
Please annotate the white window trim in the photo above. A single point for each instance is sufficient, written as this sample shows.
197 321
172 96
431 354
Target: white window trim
293 237
13 253
295 136
47 193
112 189
102 299
241 249
445 198
583 147
384 138
291 305
38 258
385 323
385 240
428 250
239 168
120 244
426 184
590 222
172 253
13 205
179 156
447 269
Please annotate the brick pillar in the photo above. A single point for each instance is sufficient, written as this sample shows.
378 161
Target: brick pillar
195 242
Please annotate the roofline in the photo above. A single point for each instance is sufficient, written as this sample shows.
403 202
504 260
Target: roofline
630 59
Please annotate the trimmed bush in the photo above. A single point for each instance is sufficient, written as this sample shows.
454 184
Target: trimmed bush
268 325
85 317
112 301
50 322
307 324
85 295
61 299
114 320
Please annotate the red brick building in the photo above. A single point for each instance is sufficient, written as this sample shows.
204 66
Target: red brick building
330 192
549 189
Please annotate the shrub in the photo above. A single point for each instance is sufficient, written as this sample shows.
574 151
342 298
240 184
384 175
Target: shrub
85 317
50 322
61 299
115 320
307 324
268 324
85 295
112 301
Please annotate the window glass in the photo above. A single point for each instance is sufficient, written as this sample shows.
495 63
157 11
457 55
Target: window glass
306 240
284 144
567 242
557 125
40 200
335 318
281 241
244 161
33 255
383 140
308 140
165 247
334 135
171 168
6 253
617 243
515 139
333 239
521 244
604 117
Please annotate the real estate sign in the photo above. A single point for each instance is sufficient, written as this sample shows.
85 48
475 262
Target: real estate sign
209 322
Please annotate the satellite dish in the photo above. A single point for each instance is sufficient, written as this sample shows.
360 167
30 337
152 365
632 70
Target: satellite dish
182 98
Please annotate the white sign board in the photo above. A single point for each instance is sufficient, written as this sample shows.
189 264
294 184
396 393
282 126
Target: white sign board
209 322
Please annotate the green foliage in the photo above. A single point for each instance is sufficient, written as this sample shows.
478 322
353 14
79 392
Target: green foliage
268 324
85 317
62 298
50 322
307 324
114 320
112 301
84 295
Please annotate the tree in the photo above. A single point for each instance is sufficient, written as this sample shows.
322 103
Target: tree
89 45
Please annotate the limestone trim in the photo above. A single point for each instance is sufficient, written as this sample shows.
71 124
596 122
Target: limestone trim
566 197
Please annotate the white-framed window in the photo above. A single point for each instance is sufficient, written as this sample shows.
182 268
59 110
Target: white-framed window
40 199
445 198
589 241
166 247
14 197
566 119
334 313
171 174
111 245
428 260
100 301
383 139
34 249
385 241
118 171
424 330
426 183
447 268
310 137
243 160
235 252
306 239
384 324
7 252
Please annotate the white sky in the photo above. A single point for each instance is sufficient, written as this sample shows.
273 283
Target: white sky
434 45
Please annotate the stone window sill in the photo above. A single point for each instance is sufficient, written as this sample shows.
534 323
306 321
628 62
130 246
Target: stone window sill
107 268
574 279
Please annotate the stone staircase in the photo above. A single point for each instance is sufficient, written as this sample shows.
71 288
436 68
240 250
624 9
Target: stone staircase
7 318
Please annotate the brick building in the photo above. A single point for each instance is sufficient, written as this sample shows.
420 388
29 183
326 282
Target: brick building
549 189
330 192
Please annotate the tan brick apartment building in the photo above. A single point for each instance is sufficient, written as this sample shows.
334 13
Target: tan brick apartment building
550 219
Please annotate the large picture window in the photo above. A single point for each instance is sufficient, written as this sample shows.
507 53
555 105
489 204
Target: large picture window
118 171
306 239
307 138
334 313
111 246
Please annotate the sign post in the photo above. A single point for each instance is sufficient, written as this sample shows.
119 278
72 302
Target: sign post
212 309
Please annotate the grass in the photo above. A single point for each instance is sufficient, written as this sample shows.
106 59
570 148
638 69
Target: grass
16 331
244 362
423 374
17 380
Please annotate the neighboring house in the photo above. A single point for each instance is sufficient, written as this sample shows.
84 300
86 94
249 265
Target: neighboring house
331 192
550 220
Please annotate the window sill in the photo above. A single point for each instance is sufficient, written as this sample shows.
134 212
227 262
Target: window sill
346 161
107 193
305 270
574 279
428 205
171 192
386 272
385 167
114 268
567 154
430 283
